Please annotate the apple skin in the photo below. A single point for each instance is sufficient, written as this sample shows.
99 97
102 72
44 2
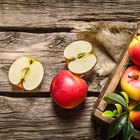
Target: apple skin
130 82
134 116
68 90
134 50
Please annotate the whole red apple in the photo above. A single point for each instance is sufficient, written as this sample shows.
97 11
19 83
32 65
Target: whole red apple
134 116
134 50
130 82
68 90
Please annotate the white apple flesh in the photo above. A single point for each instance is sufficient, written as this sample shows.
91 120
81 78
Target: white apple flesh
80 57
26 73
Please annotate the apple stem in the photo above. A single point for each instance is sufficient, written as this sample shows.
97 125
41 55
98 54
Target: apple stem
134 36
129 76
81 76
135 77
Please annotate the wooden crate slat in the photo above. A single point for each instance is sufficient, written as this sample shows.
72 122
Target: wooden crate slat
113 80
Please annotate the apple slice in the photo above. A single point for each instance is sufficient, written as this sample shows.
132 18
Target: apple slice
26 73
80 57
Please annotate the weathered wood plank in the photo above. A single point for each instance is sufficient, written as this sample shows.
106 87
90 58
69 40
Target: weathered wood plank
113 80
40 118
64 15
48 49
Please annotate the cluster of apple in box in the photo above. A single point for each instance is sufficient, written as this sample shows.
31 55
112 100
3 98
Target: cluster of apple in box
130 81
68 89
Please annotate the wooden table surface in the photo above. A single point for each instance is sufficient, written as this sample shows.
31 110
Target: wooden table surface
42 29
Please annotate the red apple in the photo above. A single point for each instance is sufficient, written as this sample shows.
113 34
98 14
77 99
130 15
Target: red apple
68 90
134 116
130 82
134 50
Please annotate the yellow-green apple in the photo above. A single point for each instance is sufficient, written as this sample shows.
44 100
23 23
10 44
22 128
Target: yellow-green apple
79 56
130 82
26 73
134 116
67 89
134 50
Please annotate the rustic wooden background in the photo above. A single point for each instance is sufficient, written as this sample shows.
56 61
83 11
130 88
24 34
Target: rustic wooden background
41 29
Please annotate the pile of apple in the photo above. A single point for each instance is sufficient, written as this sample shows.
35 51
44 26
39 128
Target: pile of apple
130 81
67 88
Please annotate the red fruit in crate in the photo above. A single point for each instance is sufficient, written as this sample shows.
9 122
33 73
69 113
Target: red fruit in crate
130 82
134 116
134 50
68 90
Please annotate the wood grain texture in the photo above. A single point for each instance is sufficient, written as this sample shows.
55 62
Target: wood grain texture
113 80
40 119
48 49
34 115
58 15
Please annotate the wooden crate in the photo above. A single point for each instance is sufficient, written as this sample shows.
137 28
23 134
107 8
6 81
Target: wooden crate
111 86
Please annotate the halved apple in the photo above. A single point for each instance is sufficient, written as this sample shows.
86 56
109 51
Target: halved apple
26 73
80 57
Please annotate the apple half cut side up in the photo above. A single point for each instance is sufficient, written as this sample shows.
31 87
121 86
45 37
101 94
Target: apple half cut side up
26 73
80 57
